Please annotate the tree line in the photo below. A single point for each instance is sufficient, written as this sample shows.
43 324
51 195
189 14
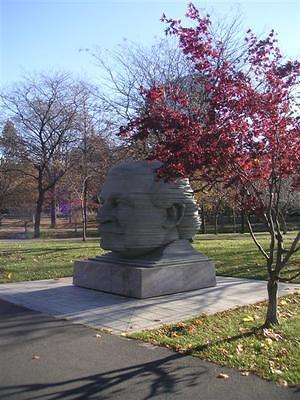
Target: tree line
56 145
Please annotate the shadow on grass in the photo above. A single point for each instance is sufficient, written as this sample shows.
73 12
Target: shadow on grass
202 347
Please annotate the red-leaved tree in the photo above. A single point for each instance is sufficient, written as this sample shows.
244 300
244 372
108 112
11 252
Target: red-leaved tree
242 131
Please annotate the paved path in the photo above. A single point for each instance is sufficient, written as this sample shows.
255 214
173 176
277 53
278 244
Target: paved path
120 314
45 358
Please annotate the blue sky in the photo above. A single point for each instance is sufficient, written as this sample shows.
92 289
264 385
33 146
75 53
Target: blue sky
41 35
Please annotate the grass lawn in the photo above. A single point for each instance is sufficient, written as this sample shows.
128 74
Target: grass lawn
235 255
234 338
42 259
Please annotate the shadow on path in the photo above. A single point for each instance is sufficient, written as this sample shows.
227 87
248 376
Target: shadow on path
158 377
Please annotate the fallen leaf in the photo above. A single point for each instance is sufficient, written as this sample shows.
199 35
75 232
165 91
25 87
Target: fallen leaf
239 348
35 357
178 347
269 333
198 322
223 376
271 363
276 371
109 330
191 329
283 352
288 314
248 318
282 382
222 350
269 341
283 302
245 373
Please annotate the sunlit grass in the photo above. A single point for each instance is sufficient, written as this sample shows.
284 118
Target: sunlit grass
235 338
32 260
235 255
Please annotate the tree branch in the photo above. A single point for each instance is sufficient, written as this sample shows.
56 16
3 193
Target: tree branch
292 250
291 278
259 246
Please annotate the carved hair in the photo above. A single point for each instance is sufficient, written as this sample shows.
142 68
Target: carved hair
163 194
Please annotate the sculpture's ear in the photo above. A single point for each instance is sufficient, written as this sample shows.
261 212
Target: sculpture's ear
175 214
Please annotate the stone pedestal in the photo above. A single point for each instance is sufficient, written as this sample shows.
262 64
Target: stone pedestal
156 276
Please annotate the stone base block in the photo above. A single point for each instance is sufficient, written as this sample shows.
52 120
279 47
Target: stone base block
139 282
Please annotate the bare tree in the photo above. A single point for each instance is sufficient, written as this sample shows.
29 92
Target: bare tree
93 155
43 110
131 67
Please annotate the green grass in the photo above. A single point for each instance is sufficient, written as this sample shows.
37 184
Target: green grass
235 338
41 259
68 233
236 255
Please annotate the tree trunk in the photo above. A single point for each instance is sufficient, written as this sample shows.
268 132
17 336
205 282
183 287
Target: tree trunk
234 220
203 222
242 221
70 208
216 223
283 223
53 208
38 213
272 312
84 211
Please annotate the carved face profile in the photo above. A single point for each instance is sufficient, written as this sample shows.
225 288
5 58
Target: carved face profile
139 213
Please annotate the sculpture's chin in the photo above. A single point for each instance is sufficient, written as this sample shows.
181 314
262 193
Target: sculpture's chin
112 242
121 250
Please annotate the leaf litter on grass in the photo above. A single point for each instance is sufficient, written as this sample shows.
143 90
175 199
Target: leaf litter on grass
229 340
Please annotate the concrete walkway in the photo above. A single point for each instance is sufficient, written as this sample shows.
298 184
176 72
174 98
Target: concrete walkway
119 314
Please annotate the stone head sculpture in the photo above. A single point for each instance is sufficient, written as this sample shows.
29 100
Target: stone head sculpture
141 213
